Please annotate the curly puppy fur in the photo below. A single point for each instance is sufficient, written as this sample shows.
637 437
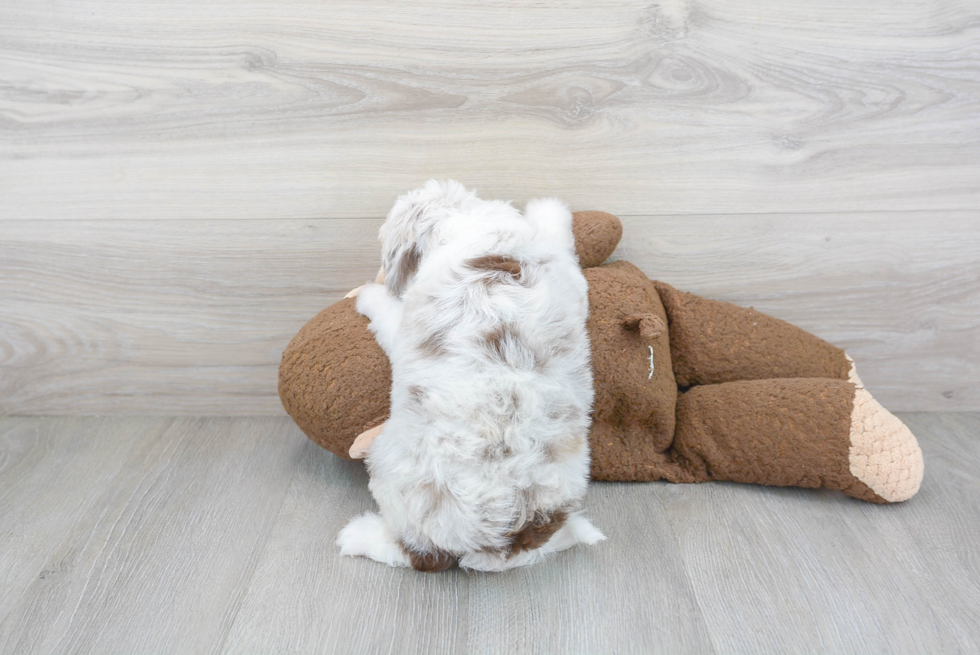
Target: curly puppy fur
485 460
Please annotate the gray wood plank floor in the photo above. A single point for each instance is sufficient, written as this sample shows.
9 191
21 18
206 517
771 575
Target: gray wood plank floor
132 534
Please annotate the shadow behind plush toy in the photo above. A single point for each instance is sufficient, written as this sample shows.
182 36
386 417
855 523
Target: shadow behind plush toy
686 389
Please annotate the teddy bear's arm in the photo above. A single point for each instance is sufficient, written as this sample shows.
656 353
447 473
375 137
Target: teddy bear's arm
713 342
362 444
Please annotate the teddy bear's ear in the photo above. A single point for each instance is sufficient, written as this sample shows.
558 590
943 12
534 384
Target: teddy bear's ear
596 236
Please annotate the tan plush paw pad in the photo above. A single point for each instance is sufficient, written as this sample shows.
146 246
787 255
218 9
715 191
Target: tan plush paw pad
884 453
362 444
852 374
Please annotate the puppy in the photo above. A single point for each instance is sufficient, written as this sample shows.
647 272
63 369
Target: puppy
485 459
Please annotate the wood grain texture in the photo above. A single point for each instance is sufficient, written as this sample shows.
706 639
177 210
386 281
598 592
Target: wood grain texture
159 562
266 109
899 291
191 317
52 472
305 599
778 572
129 534
932 545
629 594
799 571
153 317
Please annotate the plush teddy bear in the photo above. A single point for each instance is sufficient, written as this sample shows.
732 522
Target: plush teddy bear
686 389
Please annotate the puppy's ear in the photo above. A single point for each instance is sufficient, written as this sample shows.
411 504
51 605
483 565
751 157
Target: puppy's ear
403 238
400 266
406 232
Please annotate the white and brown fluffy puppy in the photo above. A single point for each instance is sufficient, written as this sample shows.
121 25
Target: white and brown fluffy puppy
484 461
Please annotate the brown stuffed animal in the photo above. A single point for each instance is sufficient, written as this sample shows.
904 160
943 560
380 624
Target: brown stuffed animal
686 389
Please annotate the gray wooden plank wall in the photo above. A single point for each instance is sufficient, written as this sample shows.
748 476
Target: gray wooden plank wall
820 161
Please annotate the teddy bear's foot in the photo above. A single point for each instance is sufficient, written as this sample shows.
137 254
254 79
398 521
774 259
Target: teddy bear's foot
884 454
803 432
852 374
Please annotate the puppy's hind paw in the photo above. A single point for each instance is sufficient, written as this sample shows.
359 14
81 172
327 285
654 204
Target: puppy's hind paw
369 536
584 531
370 299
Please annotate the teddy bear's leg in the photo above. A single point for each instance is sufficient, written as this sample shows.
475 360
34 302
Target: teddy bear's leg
713 341
806 432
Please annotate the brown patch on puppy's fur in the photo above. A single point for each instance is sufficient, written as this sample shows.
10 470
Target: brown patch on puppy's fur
565 413
434 345
409 264
536 532
495 341
496 263
438 560
565 448
506 344
438 494
405 267
496 451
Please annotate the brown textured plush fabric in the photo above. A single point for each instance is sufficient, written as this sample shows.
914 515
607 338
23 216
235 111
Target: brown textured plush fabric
596 236
633 413
713 341
334 379
784 432
775 407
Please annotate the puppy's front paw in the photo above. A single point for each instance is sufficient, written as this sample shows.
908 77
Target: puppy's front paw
370 299
369 536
